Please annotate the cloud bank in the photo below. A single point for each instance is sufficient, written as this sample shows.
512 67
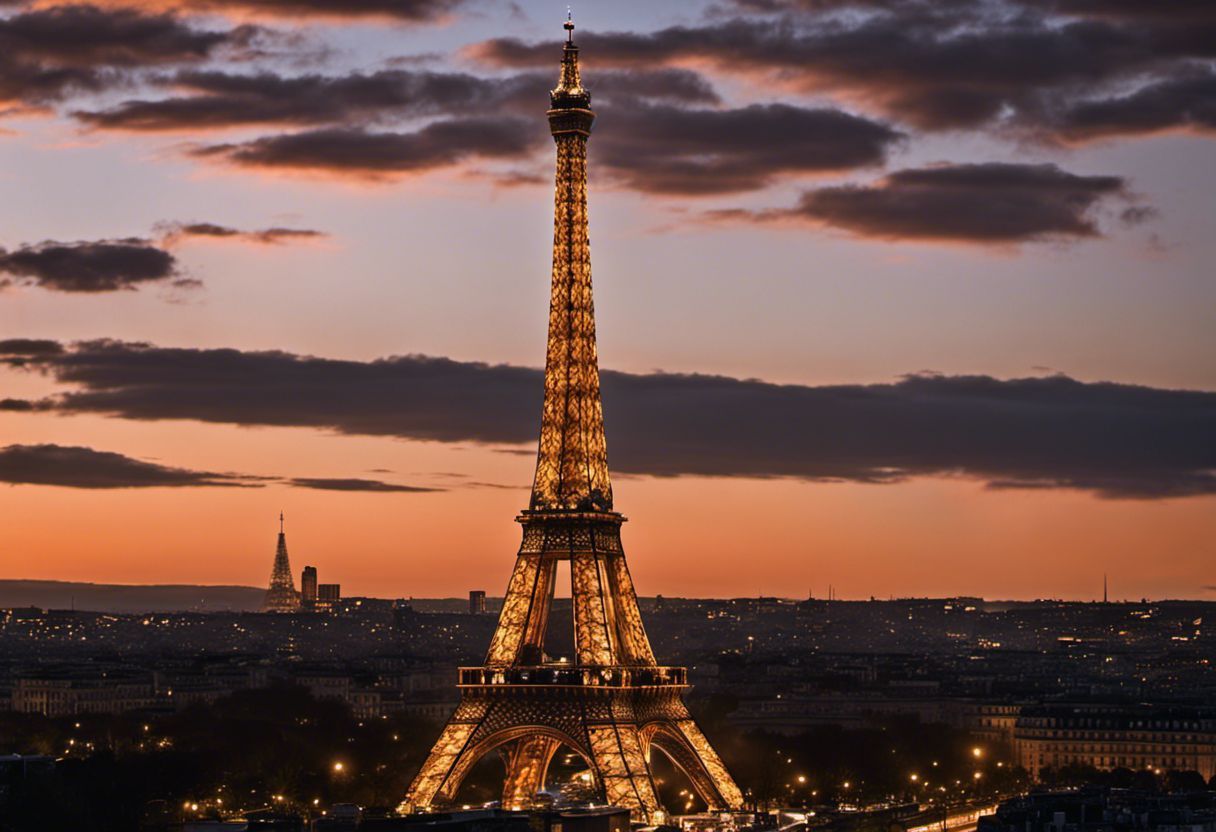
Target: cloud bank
174 232
89 267
49 53
1113 440
988 204
81 467
397 11
77 467
962 64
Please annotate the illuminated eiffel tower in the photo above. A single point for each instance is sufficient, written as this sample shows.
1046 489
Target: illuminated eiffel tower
282 595
613 705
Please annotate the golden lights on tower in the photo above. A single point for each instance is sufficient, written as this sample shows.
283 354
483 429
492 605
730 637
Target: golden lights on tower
613 705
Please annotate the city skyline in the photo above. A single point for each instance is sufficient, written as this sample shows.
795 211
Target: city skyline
892 387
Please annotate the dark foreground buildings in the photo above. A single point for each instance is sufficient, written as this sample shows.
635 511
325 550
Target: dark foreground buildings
1105 810
1054 687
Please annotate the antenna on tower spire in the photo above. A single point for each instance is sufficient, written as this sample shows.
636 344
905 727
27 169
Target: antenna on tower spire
280 522
569 25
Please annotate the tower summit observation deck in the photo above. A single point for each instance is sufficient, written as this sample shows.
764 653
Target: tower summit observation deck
613 704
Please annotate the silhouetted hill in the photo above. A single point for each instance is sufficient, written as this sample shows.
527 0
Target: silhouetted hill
128 598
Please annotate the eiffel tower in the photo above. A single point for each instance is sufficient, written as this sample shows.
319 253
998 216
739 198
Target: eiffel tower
613 705
282 595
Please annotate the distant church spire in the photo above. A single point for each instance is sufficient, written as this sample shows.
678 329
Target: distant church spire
282 595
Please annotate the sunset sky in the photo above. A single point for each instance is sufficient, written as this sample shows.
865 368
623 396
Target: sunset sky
909 297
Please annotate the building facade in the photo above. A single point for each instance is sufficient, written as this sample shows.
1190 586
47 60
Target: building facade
1110 736
308 587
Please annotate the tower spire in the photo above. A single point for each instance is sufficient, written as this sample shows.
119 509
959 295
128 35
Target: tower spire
572 461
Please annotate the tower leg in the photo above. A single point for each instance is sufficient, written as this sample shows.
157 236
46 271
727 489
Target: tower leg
634 644
439 771
685 745
594 626
527 763
618 756
525 611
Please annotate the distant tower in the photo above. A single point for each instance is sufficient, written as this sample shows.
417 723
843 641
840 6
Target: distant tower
308 587
282 595
477 601
1105 597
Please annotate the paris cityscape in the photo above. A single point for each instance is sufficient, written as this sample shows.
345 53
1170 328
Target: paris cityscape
916 535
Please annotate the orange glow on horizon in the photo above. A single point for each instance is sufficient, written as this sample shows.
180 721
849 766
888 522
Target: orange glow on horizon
686 536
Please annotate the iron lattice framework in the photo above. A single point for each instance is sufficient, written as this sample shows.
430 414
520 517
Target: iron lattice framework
613 704
282 595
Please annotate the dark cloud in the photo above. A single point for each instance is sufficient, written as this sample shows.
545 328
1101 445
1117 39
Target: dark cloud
1114 440
935 66
498 486
352 151
353 484
1180 12
820 8
666 149
449 398
47 53
215 100
1185 103
37 85
415 11
220 99
175 232
29 347
76 467
656 142
1137 214
983 203
98 266
87 36
400 11
627 86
